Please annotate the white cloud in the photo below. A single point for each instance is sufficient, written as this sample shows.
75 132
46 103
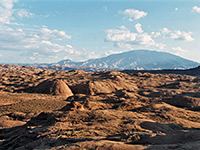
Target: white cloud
35 41
179 49
177 35
8 14
120 35
92 55
155 34
6 11
123 27
48 34
124 45
32 58
133 14
138 27
49 47
166 31
196 9
176 9
8 3
112 52
124 38
21 13
31 42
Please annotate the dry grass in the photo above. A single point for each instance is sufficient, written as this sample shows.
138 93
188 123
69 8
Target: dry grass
33 106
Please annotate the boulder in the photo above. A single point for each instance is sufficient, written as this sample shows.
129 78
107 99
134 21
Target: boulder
54 87
183 101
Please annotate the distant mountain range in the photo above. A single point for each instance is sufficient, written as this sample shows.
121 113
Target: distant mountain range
135 60
192 71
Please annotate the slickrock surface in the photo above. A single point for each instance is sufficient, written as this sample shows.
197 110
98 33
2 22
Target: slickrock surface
54 87
47 109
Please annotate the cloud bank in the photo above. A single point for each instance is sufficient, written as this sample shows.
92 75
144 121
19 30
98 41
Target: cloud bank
34 43
124 38
177 35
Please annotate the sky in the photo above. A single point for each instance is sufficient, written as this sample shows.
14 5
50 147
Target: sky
46 31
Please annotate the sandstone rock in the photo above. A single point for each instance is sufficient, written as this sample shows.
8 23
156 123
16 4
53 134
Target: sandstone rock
183 101
5 122
104 86
73 106
55 87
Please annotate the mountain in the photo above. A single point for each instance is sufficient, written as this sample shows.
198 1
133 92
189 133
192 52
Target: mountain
192 71
69 63
131 60
137 59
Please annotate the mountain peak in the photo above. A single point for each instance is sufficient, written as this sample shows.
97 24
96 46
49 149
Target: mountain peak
135 59
142 59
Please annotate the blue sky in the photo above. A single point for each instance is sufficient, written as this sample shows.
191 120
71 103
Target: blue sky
53 30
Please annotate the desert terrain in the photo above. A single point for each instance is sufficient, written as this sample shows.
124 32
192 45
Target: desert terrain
108 110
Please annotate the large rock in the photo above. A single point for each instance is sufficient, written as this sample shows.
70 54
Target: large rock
183 101
103 86
54 87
